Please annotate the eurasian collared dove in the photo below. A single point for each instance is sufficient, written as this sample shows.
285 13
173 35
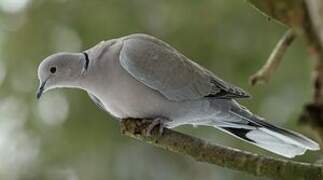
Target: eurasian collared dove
140 76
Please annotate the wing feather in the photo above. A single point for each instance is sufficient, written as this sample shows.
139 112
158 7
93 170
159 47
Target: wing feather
161 67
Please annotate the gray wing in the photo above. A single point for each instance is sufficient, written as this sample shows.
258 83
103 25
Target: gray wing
159 66
97 101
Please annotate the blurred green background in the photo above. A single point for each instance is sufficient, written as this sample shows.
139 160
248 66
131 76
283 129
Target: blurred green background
64 136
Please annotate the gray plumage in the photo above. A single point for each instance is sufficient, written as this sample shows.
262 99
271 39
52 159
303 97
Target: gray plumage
162 68
140 76
97 101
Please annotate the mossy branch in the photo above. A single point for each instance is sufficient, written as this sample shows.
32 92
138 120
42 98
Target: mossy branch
203 151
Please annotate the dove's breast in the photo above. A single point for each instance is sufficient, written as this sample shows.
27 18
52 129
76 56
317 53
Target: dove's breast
121 94
124 96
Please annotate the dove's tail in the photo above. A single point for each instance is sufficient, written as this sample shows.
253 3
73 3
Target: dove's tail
253 129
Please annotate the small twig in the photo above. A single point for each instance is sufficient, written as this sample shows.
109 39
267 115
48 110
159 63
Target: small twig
265 73
222 156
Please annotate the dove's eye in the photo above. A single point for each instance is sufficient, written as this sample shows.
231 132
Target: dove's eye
52 70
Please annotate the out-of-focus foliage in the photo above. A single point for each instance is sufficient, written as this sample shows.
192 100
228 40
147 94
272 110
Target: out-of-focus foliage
65 136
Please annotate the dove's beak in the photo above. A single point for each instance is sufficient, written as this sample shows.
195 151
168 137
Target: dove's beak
41 89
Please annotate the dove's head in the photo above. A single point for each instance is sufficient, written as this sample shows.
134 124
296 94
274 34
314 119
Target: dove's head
60 70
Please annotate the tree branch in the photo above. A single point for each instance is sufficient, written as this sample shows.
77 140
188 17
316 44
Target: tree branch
264 74
222 156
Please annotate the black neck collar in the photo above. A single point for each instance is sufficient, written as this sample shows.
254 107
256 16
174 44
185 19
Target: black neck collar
87 60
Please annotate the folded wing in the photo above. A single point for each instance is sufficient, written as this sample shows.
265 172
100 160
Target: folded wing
160 67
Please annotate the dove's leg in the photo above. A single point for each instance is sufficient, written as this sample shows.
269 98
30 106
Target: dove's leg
158 121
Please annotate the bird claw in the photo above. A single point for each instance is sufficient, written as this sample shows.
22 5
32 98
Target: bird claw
161 122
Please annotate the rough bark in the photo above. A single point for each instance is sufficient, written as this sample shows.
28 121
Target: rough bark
222 156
